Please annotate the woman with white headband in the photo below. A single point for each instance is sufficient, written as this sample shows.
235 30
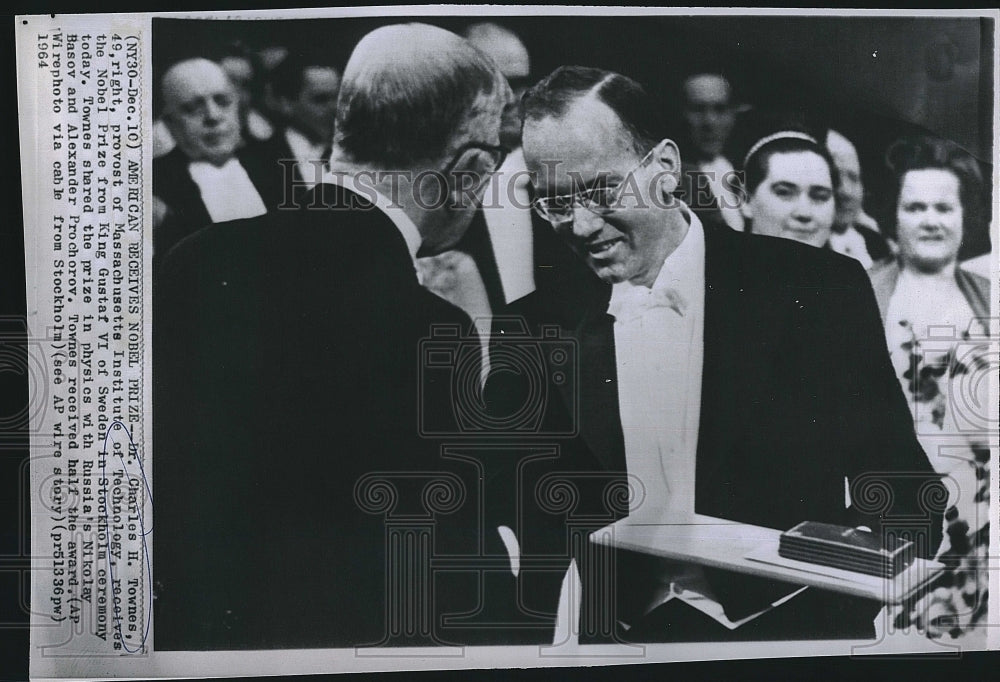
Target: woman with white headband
790 182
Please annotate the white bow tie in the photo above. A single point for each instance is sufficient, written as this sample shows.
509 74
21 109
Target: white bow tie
638 300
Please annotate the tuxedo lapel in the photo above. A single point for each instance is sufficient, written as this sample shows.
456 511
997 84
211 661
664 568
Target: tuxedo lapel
720 396
738 373
600 424
746 329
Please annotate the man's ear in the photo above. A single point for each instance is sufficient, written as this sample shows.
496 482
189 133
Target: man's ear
668 158
469 173
745 207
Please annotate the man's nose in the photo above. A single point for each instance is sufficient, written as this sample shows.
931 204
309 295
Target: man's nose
585 222
213 113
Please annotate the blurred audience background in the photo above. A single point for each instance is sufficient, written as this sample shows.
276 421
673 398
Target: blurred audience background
858 84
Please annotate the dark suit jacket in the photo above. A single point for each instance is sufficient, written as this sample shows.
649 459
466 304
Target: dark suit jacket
797 394
292 480
277 153
186 211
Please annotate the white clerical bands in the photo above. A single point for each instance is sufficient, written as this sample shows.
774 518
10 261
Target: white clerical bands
781 135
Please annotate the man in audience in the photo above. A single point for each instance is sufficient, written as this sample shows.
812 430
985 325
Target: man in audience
246 71
709 114
854 233
305 92
492 265
507 249
726 375
210 176
243 70
527 253
290 450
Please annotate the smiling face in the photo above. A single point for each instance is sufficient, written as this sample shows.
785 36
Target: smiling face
795 200
929 219
584 148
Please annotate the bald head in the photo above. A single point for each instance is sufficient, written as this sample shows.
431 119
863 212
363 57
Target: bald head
414 93
511 57
201 110
503 47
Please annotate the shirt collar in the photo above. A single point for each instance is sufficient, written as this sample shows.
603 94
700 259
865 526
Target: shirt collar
683 269
394 212
302 148
205 169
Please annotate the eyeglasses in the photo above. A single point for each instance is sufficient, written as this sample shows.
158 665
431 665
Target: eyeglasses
601 200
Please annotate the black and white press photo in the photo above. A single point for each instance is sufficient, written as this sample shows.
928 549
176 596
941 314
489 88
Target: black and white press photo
535 337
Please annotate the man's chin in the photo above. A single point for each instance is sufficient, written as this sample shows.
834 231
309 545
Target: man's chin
218 157
609 274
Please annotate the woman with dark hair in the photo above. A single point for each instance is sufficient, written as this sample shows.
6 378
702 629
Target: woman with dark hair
936 327
936 198
790 182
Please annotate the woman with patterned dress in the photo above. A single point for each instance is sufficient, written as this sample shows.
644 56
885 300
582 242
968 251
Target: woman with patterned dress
936 324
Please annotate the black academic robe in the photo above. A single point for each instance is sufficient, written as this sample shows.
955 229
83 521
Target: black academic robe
186 211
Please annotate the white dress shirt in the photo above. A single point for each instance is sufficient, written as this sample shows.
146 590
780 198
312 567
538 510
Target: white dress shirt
508 220
659 349
306 155
226 191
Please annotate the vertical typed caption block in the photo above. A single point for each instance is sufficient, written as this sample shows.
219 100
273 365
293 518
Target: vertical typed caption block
85 258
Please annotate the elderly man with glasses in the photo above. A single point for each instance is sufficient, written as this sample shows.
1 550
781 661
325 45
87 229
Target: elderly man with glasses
720 374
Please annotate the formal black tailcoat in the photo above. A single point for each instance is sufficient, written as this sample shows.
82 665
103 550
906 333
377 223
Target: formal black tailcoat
294 490
798 394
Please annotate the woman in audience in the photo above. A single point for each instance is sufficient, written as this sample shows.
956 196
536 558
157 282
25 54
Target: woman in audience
936 327
790 181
